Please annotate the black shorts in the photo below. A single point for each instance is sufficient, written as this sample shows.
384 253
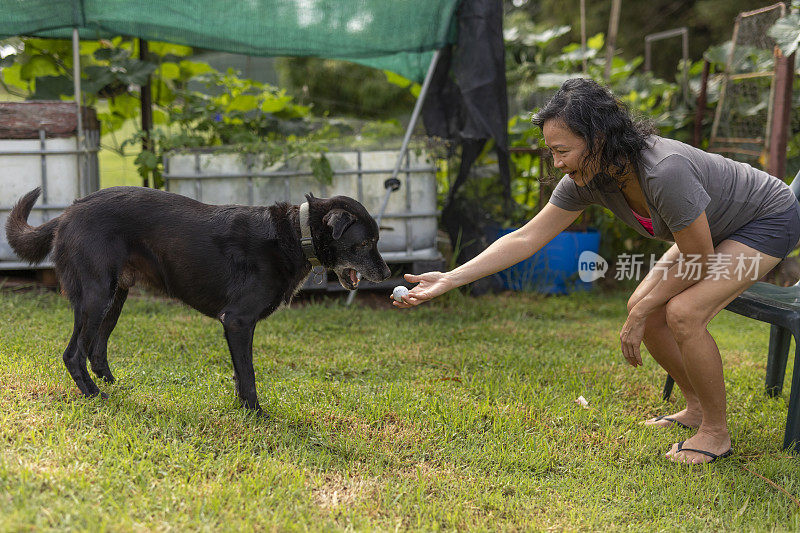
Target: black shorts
774 235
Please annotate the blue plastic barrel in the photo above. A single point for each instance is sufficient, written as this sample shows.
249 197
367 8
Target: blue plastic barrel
554 268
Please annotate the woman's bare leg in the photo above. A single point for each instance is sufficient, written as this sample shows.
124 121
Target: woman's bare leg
662 346
688 315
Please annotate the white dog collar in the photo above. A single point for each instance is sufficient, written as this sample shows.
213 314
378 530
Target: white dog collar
306 242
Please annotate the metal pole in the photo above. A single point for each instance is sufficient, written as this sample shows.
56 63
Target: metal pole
701 106
417 110
76 74
685 84
146 108
584 63
781 115
613 27
392 184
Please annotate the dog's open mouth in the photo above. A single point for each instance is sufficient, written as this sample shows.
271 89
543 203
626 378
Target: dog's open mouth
349 278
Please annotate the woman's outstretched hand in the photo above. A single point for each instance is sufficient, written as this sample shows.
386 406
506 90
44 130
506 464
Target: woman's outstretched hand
430 285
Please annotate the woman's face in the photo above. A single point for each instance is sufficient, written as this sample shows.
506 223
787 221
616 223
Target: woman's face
569 152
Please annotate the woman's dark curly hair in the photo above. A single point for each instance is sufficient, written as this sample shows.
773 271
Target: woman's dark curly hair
613 139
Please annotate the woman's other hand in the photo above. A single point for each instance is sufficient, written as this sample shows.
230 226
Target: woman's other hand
430 285
631 337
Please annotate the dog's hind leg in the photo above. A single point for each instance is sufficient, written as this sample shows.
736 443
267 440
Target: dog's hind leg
75 363
239 334
89 313
99 355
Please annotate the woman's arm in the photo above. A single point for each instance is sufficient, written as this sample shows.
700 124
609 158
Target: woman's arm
693 242
506 251
656 273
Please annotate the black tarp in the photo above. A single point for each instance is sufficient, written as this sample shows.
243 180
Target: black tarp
467 103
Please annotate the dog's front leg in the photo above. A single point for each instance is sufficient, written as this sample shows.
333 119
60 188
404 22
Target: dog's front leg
239 334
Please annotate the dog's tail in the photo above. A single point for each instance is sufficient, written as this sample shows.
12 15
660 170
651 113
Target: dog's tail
31 244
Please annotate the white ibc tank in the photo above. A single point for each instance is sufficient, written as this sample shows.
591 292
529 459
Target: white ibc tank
39 148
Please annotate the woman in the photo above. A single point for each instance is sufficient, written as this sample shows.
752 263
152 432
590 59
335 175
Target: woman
733 222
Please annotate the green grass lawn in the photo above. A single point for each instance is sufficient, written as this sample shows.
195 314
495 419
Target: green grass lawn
457 415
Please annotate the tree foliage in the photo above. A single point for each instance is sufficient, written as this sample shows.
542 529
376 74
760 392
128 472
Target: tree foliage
341 88
710 22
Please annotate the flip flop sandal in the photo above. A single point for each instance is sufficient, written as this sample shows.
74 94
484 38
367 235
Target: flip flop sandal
676 422
713 456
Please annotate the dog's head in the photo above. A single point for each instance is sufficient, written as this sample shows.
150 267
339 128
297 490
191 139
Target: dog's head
345 239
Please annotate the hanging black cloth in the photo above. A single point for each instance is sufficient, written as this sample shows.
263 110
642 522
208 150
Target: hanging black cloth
467 99
467 103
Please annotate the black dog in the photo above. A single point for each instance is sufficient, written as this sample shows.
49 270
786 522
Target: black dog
237 264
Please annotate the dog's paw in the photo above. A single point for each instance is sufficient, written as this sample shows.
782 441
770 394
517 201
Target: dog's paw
102 395
259 414
104 373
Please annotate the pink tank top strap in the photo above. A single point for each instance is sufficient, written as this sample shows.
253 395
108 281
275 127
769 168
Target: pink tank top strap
647 223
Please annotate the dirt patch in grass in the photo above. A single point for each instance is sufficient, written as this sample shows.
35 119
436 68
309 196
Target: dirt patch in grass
390 429
335 490
35 390
44 467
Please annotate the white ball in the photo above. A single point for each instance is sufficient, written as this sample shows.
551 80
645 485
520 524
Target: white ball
399 292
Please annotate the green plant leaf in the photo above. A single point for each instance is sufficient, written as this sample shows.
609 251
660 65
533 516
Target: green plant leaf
98 77
295 111
718 55
541 39
111 54
275 104
786 32
242 102
163 49
88 48
39 65
12 76
125 106
135 72
577 55
110 122
52 88
190 69
146 160
168 71
321 168
160 118
596 42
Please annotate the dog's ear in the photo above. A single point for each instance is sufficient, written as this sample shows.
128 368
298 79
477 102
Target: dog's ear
310 197
338 220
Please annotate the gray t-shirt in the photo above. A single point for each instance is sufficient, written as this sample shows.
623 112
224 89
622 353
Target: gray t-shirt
679 182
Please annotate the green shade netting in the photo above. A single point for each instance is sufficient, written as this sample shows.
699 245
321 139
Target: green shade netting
395 35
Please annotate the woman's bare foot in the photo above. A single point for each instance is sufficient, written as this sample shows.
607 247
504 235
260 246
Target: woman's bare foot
686 418
711 444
